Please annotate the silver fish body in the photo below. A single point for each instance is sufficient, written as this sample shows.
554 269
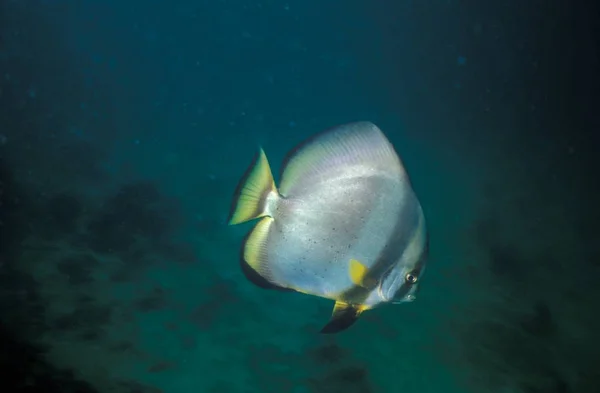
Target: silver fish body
345 223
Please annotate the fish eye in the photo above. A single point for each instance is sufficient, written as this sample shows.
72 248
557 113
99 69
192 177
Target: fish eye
410 278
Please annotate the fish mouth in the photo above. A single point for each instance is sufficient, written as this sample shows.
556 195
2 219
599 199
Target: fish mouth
409 296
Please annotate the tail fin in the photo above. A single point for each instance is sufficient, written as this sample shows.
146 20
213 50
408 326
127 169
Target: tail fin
250 198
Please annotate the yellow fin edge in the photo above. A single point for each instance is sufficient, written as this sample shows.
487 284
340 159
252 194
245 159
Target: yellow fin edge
343 316
255 252
252 192
358 274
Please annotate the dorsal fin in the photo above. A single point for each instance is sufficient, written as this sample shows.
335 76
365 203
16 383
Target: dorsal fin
250 200
360 143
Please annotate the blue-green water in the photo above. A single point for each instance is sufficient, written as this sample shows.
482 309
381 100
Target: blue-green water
125 127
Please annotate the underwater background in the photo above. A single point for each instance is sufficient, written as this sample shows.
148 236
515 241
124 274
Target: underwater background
126 125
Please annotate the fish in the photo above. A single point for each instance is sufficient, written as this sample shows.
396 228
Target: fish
344 223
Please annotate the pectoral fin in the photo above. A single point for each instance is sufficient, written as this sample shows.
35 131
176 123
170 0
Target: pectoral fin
358 274
343 316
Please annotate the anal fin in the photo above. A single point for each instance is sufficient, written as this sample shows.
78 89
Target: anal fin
343 316
254 260
258 280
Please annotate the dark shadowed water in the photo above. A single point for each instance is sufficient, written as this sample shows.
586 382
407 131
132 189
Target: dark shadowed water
126 125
